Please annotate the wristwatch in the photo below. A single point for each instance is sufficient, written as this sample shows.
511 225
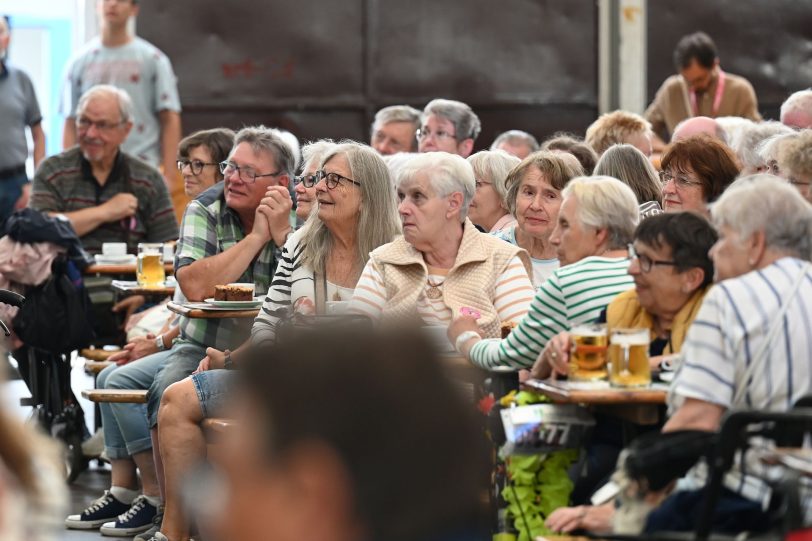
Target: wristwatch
463 338
159 343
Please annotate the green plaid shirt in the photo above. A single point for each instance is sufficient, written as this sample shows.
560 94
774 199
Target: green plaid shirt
208 228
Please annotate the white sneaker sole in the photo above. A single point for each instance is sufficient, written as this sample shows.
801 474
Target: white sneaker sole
73 522
109 529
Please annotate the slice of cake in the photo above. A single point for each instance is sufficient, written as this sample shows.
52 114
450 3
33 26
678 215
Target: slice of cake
234 292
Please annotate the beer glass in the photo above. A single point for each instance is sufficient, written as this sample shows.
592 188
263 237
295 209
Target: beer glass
150 269
588 354
628 358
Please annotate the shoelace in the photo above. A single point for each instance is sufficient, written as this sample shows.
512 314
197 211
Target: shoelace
105 500
137 505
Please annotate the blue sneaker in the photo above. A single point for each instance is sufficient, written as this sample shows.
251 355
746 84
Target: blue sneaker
103 510
137 519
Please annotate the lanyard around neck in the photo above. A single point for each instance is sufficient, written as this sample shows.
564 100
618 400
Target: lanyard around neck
717 98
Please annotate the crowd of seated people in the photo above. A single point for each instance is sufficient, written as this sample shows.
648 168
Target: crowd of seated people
699 243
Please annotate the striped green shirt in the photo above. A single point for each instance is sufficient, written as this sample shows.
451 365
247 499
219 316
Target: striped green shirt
574 294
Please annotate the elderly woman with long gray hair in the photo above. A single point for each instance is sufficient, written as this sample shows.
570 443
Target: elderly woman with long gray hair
442 266
320 262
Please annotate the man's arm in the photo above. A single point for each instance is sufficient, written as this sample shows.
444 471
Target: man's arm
170 138
69 133
38 136
696 414
198 279
121 205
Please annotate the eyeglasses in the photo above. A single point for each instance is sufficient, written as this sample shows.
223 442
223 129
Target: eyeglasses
246 174
425 133
195 165
84 124
332 179
646 262
680 181
308 181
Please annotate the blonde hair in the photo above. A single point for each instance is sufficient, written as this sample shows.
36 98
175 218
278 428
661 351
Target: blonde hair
795 154
615 127
606 203
378 221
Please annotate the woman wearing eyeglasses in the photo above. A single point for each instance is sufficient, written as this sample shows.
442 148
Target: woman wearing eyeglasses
695 172
672 271
321 262
198 157
305 185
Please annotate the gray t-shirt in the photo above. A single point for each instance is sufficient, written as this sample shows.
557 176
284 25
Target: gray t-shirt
18 109
144 72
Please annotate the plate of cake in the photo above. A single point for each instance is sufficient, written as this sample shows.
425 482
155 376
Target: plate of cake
237 295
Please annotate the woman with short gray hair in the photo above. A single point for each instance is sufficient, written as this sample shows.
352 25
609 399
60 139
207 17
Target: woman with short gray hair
595 225
442 265
534 198
489 208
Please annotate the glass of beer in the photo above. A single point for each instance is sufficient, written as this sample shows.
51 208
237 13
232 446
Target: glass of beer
150 269
628 358
588 354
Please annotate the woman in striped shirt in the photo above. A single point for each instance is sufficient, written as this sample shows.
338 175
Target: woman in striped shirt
442 265
595 225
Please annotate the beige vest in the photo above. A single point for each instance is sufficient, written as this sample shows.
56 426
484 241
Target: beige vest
471 282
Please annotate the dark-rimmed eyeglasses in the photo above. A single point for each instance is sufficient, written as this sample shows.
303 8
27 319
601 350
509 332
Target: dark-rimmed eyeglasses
246 174
425 133
332 179
84 124
680 181
646 263
308 181
195 165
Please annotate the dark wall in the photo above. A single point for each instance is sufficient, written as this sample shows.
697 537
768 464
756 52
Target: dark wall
322 69
768 42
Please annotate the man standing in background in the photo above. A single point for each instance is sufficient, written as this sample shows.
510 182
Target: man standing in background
128 62
18 109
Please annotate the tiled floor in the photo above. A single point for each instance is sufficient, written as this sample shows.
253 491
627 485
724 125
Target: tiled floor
91 483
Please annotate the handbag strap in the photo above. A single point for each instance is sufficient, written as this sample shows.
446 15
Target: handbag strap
761 354
320 292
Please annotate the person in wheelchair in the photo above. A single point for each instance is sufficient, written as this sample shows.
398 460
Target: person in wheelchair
748 348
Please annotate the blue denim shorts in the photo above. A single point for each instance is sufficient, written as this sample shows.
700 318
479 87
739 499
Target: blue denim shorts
213 389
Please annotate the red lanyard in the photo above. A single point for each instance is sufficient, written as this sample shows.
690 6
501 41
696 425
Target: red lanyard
717 99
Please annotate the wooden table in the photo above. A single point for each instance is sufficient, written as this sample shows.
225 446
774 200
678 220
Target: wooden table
638 406
130 287
201 310
127 268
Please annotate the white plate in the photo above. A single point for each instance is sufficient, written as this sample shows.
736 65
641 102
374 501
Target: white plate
236 304
114 259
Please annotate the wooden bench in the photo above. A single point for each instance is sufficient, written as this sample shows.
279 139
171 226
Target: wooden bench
94 367
94 354
121 396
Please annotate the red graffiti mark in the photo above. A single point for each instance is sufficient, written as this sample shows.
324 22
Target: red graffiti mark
273 67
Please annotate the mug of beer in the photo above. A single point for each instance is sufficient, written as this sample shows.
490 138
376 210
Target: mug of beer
150 269
588 354
628 358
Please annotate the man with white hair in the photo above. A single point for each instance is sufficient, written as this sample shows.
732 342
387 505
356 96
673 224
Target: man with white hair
516 142
394 129
128 62
106 194
448 126
796 111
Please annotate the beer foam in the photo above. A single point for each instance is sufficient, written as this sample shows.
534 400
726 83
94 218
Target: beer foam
587 331
629 340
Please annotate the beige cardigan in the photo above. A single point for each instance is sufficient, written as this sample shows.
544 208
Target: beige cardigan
471 282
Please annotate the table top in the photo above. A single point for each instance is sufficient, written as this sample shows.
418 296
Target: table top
127 268
565 392
131 287
201 310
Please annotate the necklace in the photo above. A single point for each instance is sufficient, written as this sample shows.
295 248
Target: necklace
434 292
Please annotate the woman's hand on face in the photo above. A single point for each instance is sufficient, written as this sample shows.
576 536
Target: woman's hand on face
554 359
459 326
